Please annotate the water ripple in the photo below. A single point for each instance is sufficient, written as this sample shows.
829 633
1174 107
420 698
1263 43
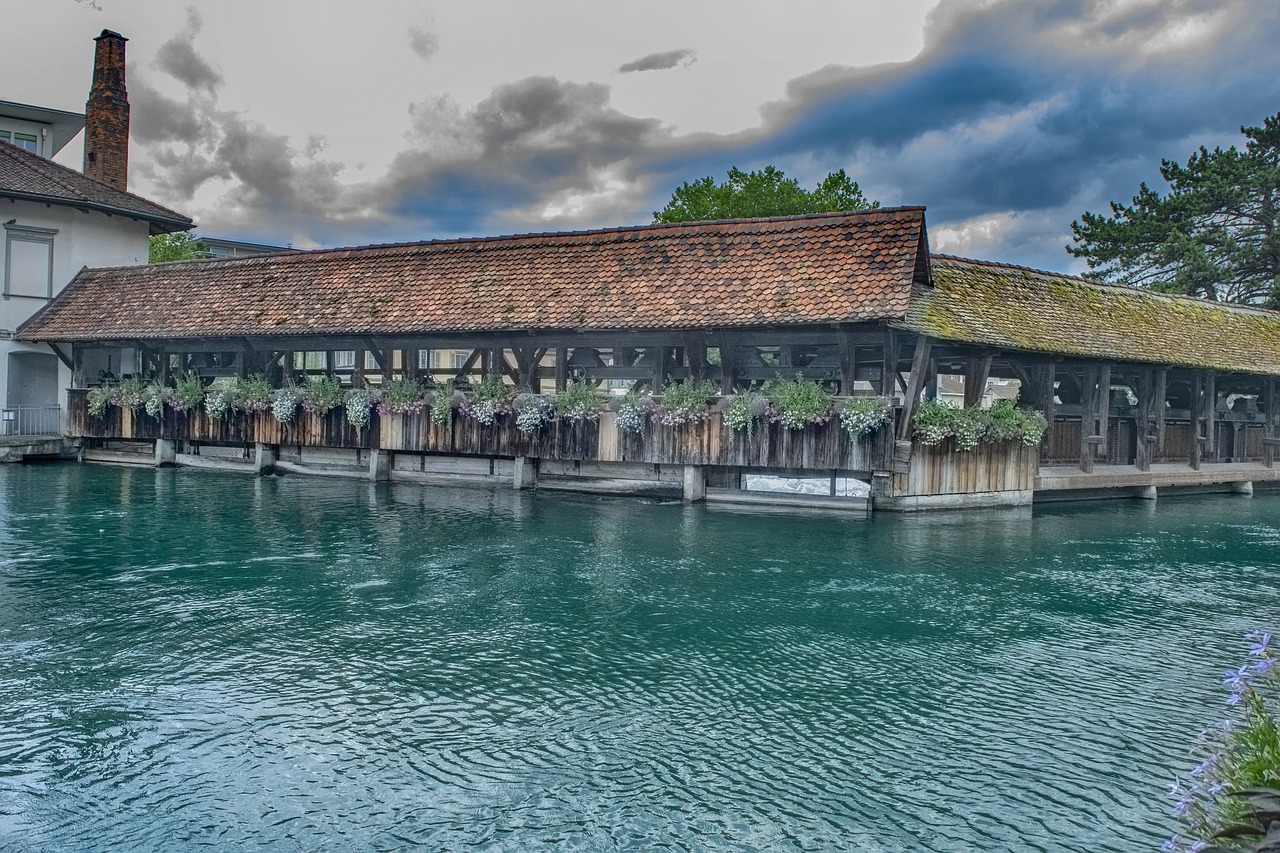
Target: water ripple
197 661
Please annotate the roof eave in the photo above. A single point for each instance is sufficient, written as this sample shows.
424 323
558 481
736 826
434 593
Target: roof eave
158 224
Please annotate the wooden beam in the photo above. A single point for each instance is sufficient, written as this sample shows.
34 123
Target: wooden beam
357 372
62 357
1143 439
920 362
1089 435
1104 404
461 372
562 368
659 368
1271 424
379 356
728 363
975 379
1160 396
890 373
1210 417
848 364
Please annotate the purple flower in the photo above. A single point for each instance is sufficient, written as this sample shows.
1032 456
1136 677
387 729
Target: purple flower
1238 681
1183 805
1205 766
1172 844
1262 640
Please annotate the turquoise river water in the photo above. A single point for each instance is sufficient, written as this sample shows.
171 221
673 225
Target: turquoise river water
195 660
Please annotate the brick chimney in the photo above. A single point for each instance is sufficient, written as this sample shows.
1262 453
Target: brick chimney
106 115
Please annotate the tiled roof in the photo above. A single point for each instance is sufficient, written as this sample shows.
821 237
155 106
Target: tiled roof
24 175
791 270
997 305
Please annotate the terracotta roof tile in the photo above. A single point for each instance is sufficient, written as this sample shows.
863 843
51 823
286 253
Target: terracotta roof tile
25 175
858 266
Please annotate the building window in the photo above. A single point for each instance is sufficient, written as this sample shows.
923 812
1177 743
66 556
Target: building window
26 141
28 262
344 359
310 360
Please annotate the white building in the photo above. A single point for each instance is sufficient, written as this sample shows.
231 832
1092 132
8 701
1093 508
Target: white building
57 221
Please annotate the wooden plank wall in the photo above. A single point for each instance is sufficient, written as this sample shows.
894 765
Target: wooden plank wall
989 467
822 448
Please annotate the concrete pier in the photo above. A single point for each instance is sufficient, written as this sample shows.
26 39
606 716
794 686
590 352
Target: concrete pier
264 458
525 473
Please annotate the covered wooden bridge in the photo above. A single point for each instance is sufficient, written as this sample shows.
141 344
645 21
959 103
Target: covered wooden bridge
1141 390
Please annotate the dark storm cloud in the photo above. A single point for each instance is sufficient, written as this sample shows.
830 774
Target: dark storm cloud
177 57
660 61
527 143
1015 118
1018 116
189 142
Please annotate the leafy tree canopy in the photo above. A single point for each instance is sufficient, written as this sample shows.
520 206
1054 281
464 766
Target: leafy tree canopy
179 246
1215 234
768 192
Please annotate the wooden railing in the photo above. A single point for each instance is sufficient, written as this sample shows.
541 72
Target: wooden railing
709 442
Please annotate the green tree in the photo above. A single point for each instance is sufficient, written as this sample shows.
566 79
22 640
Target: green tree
768 192
1214 235
179 246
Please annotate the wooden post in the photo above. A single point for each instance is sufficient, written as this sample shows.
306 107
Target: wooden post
920 362
848 363
1210 417
562 368
1049 404
1161 399
977 372
1104 405
78 368
1269 428
659 369
728 363
1088 406
1197 420
357 372
1143 440
890 373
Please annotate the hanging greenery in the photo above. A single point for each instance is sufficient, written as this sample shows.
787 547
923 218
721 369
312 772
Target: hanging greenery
935 421
685 402
862 416
579 401
321 394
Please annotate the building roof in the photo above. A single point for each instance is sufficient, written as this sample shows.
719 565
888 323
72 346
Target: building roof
827 268
998 305
63 125
30 177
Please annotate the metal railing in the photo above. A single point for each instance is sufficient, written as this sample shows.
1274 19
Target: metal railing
31 420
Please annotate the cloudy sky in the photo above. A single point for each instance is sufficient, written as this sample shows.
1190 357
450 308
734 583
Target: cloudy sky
312 123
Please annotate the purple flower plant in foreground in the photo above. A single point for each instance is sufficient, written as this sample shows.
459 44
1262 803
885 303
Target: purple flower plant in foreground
1240 752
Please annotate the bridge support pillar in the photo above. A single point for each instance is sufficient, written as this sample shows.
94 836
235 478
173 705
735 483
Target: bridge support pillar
166 452
379 465
695 484
525 474
265 457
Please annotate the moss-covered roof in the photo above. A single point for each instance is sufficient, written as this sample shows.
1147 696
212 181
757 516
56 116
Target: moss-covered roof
977 302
